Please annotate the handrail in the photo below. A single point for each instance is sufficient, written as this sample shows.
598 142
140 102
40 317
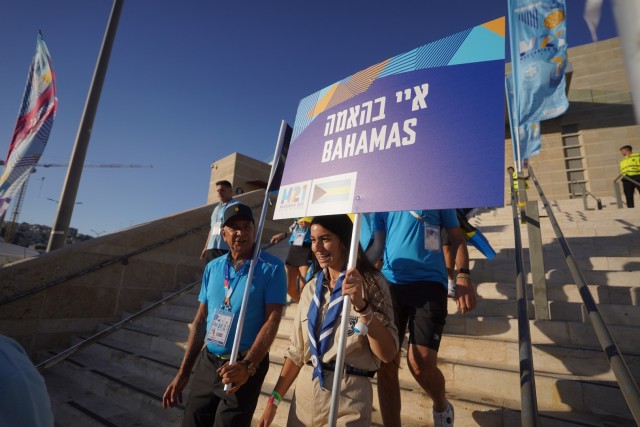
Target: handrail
116 326
625 380
528 399
616 188
120 258
586 193
113 328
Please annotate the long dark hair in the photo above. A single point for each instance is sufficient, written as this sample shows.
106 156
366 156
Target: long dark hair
342 226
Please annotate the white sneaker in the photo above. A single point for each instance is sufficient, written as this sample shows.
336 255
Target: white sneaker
444 419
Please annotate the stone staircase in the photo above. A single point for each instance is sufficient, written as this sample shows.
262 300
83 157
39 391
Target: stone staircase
120 380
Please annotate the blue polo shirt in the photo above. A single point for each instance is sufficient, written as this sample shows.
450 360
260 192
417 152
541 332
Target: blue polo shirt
269 286
405 259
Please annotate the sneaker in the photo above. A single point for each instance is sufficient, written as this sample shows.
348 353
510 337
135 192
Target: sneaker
443 419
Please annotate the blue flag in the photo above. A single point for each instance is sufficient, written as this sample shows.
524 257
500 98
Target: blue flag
539 58
528 133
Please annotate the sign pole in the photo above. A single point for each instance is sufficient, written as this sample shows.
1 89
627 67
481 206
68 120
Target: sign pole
346 309
256 250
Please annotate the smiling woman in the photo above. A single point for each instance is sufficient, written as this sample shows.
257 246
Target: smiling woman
372 335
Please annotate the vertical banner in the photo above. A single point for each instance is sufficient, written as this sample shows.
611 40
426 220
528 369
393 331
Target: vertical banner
627 16
539 58
33 126
528 140
424 129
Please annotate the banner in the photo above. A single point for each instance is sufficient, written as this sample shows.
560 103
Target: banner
528 133
33 126
421 130
539 58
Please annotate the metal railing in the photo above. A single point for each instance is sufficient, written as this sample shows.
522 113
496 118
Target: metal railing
120 258
111 329
625 380
529 410
584 194
616 188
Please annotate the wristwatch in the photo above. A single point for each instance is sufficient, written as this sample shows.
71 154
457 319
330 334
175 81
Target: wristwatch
251 368
464 271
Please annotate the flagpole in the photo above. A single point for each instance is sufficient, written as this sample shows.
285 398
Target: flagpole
346 309
256 250
515 66
60 228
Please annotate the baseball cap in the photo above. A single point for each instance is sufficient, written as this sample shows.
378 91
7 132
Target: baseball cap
237 210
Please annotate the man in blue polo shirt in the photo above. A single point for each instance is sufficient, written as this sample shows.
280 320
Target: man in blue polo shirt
413 263
215 245
215 324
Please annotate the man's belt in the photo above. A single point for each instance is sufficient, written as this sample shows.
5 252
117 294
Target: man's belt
349 370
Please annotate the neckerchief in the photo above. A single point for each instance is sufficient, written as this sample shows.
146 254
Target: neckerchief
319 344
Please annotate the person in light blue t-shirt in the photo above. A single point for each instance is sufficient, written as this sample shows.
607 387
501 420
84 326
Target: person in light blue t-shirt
24 400
414 265
215 245
215 325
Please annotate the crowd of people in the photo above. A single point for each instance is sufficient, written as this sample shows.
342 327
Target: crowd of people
400 281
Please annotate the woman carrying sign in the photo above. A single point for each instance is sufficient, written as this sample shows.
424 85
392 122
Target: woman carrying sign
372 335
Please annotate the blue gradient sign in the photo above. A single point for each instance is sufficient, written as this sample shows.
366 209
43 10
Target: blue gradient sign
421 130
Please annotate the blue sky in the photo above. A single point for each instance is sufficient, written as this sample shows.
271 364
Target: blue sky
190 82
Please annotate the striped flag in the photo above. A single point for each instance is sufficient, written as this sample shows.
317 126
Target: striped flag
33 126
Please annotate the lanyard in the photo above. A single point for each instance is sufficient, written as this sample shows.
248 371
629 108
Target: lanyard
229 289
419 217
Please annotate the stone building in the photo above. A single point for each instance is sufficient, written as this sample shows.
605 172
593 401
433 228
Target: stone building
582 145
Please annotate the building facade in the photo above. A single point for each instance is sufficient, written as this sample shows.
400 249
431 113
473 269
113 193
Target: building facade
582 145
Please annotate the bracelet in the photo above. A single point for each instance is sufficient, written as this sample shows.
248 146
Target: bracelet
366 315
465 270
273 401
276 397
463 276
366 304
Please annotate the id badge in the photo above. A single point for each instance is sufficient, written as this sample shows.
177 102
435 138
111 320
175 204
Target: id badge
431 238
298 240
220 326
216 229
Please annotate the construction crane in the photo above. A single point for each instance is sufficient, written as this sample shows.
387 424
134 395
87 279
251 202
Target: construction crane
13 224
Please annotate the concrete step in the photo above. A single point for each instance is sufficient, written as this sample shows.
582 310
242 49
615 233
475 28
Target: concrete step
74 406
137 396
602 294
562 333
473 407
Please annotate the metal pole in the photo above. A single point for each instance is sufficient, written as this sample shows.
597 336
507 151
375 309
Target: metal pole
344 323
536 260
528 399
72 181
625 380
256 250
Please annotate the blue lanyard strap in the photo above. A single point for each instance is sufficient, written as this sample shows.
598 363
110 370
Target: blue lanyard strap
227 275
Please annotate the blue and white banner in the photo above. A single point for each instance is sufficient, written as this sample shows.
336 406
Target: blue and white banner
421 130
528 133
539 58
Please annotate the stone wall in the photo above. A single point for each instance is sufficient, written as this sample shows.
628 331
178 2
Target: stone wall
50 318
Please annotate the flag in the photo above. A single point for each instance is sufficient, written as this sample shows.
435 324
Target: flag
528 133
274 186
33 126
627 16
592 11
474 237
539 58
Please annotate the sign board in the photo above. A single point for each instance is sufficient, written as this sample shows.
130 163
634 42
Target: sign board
421 130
